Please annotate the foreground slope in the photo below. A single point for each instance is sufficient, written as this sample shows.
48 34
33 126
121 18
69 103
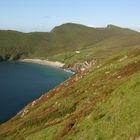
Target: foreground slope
99 103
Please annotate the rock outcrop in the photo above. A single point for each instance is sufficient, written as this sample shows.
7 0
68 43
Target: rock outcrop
78 67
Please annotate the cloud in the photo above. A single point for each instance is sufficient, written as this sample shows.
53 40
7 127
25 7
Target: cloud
47 17
90 26
136 28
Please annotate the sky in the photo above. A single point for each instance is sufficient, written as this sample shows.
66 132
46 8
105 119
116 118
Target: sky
43 15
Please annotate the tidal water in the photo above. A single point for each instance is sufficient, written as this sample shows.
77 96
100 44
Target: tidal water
21 83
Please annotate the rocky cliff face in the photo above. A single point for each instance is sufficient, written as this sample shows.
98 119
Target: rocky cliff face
79 67
8 57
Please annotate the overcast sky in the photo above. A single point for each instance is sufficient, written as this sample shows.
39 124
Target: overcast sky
43 15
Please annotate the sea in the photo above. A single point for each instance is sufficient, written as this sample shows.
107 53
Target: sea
21 83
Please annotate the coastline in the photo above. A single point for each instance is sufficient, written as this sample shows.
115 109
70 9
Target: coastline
55 64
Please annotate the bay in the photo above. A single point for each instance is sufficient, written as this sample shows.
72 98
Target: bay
21 83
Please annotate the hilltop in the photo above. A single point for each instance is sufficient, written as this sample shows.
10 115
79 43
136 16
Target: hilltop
100 102
61 43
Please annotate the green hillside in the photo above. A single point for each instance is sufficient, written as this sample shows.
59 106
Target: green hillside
63 39
100 103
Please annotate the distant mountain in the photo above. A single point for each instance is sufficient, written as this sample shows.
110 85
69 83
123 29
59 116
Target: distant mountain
62 39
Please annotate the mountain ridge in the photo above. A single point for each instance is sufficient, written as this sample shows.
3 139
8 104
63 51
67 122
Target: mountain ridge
61 38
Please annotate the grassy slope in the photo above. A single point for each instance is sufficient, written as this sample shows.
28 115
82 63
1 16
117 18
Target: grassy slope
100 103
99 50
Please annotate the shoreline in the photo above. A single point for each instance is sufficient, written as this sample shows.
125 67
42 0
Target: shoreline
55 64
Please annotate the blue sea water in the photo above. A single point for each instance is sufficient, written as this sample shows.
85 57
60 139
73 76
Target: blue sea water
21 83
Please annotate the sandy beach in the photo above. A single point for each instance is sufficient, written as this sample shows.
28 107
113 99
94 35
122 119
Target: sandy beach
44 62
